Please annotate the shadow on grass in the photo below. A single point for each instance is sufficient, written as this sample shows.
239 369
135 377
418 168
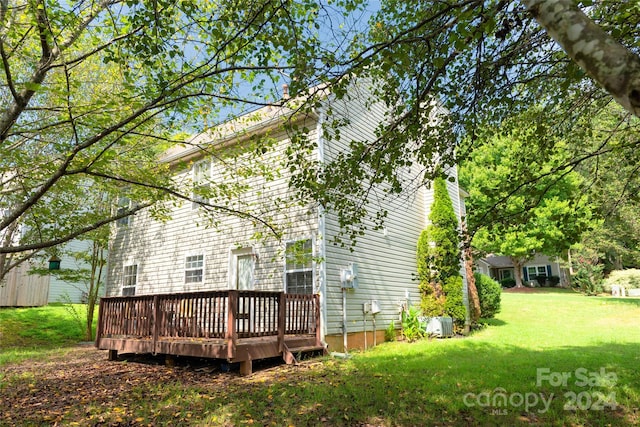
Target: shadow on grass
630 301
427 383
540 290
422 387
493 322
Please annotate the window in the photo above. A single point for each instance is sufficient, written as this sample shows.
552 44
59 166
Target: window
129 280
194 269
506 274
299 267
201 182
124 204
536 270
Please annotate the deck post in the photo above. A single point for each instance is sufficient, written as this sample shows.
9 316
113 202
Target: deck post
316 300
156 324
282 314
231 335
169 360
246 367
101 319
113 355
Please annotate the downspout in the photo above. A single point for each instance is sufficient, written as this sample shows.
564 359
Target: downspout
374 330
364 328
322 245
344 319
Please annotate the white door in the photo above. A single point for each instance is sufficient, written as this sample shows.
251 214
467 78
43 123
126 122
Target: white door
244 272
242 266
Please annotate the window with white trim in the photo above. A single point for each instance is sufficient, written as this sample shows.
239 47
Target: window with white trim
201 176
194 269
129 279
299 267
124 204
536 270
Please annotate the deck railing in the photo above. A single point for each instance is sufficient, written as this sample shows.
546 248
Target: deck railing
227 315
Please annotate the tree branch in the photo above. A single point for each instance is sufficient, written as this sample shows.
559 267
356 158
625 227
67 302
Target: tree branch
74 234
603 58
178 195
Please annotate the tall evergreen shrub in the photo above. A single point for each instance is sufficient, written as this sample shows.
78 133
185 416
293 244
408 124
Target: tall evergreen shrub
438 259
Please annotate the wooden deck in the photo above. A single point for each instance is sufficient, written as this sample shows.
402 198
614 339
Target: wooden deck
238 326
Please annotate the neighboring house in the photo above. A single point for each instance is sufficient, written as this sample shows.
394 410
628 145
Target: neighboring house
150 257
21 289
500 268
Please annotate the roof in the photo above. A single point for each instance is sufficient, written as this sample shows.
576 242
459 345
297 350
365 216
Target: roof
234 130
243 126
498 261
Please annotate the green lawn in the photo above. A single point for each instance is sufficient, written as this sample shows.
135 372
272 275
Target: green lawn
553 358
35 332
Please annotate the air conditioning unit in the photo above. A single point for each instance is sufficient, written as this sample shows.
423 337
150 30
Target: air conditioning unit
441 327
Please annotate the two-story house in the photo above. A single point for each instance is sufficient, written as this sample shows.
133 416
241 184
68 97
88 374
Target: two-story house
360 289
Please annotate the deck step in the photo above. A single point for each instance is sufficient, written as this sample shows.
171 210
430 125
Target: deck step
289 354
306 349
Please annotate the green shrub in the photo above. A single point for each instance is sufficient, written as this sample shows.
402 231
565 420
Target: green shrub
554 280
454 304
489 293
433 299
546 281
628 279
439 252
509 282
438 258
588 276
411 327
540 280
390 332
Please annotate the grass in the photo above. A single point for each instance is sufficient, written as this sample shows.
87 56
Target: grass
33 332
503 374
426 383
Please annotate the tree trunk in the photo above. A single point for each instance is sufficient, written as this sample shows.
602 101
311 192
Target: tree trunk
474 299
517 267
608 62
93 293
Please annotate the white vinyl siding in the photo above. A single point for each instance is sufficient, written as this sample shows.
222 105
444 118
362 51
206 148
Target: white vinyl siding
164 245
386 258
63 291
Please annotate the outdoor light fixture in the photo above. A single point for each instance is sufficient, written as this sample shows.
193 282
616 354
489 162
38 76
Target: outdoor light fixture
54 263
